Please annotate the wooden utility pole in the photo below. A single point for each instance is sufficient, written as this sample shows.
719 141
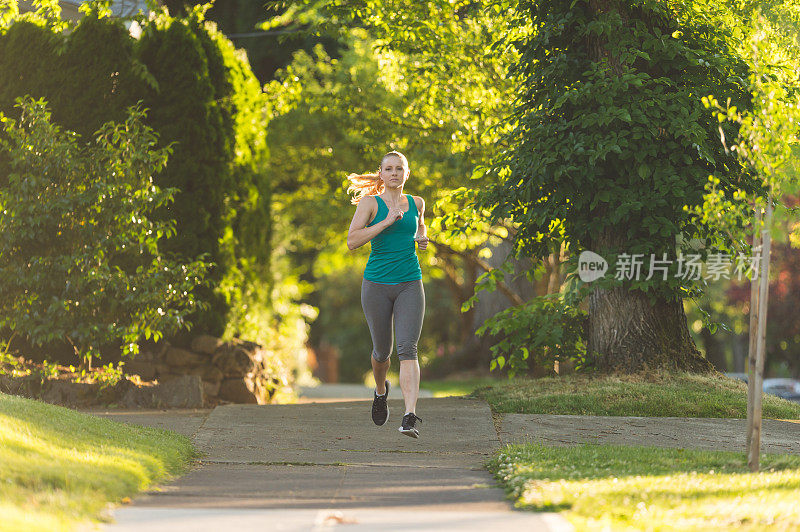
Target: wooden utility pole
757 376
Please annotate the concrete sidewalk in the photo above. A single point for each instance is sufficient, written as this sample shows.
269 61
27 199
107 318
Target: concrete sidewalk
317 466
321 465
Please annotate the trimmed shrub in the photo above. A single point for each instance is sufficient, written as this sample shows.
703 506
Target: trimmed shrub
99 76
80 256
203 101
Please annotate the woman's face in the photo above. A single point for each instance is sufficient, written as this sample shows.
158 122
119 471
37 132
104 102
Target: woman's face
394 172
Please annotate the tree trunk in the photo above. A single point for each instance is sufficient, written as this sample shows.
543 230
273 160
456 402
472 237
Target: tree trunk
754 432
751 346
626 330
630 334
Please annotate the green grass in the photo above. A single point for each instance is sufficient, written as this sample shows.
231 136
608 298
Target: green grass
644 488
60 467
651 395
457 387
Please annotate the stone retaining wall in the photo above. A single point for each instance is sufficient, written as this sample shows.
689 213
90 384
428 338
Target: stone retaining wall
181 392
233 372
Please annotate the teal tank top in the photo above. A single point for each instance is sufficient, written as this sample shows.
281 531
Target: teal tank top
393 253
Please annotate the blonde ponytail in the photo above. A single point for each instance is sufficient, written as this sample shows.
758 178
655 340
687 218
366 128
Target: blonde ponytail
364 185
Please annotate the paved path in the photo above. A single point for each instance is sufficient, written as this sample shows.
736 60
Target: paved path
323 464
316 466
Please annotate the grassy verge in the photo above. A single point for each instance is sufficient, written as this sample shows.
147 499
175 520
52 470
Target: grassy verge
60 467
650 395
622 488
451 387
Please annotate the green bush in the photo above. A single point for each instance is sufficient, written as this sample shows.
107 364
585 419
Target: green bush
185 113
544 329
29 50
202 100
97 83
210 105
80 256
245 247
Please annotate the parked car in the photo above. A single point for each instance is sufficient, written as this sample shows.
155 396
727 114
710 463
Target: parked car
738 376
786 388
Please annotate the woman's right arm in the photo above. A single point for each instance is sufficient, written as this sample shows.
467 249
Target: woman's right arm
359 234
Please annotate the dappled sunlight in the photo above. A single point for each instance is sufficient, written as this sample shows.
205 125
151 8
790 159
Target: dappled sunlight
30 519
62 467
605 486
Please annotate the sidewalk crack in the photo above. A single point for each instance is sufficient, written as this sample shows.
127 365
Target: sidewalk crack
203 424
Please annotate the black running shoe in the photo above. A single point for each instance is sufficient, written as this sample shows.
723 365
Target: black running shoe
409 426
380 410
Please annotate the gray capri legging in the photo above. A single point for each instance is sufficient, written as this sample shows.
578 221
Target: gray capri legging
403 304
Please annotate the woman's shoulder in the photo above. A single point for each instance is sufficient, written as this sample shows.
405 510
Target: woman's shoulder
369 201
418 201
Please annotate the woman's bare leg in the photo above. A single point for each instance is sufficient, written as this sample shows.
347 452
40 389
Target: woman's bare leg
409 383
379 371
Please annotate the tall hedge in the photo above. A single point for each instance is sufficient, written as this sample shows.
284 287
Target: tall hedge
184 110
202 99
99 76
28 60
246 246
209 103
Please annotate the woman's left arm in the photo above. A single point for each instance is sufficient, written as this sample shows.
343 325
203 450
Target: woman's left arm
421 237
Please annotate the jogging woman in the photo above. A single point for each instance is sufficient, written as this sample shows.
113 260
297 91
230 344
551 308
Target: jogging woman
391 290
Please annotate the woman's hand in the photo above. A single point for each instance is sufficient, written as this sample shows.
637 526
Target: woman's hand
393 216
422 242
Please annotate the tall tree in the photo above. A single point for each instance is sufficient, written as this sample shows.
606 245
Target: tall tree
611 143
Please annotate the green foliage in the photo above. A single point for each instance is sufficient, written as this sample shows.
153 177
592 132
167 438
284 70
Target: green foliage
9 11
28 49
543 330
46 13
81 254
203 100
19 367
245 244
611 139
185 112
206 105
766 144
210 105
767 134
97 74
267 52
